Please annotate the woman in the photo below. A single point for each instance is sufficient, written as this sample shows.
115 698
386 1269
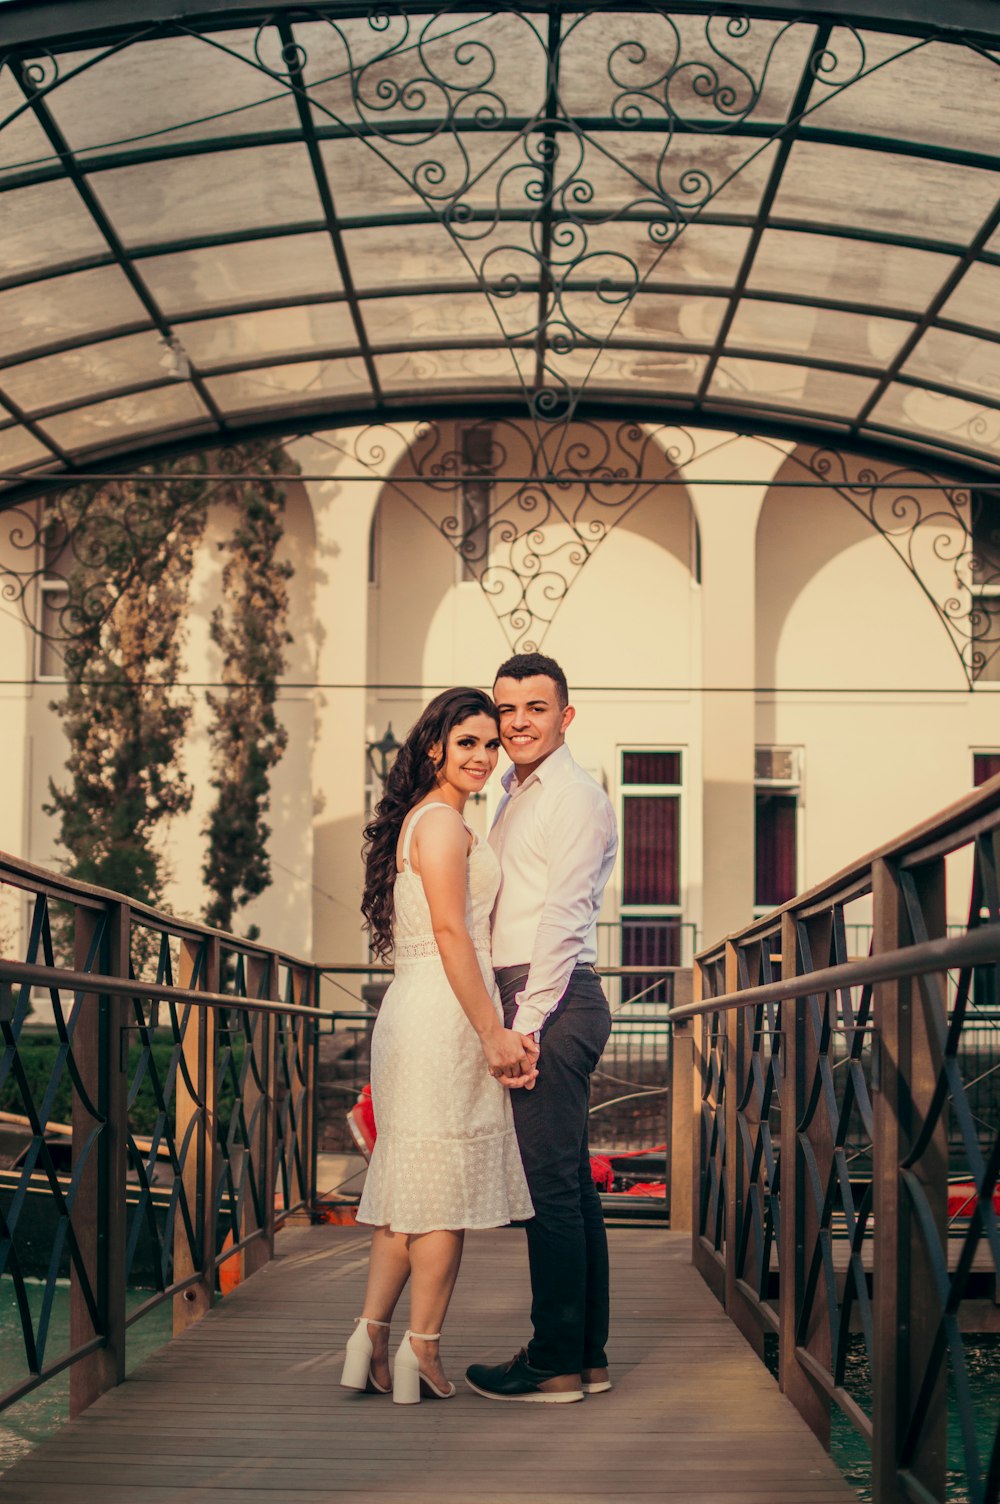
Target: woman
446 1157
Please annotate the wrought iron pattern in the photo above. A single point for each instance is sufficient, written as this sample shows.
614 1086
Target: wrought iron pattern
861 1155
192 1123
537 533
969 1236
165 1212
295 1058
712 1146
551 500
757 1152
947 535
49 1246
834 1132
557 160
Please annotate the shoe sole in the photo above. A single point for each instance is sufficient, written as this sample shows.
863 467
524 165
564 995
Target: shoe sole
539 1397
600 1388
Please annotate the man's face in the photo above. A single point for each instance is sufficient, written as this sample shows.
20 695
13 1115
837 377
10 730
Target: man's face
532 721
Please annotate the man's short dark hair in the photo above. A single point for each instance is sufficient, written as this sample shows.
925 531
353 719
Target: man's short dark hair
527 665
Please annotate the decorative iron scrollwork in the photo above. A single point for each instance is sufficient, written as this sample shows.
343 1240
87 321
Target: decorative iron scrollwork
542 526
479 117
947 535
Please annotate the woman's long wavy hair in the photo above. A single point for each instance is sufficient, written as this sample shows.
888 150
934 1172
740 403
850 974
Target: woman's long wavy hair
412 775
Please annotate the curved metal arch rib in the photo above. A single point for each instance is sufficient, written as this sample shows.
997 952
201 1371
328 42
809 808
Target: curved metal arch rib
51 23
581 290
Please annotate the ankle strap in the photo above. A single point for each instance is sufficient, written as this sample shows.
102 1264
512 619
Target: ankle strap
371 1321
425 1336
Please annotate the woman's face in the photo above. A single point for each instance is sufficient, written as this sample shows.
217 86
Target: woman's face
471 754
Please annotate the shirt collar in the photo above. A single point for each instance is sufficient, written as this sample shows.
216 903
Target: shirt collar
554 764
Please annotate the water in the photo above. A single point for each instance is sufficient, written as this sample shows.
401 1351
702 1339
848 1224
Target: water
46 1408
849 1450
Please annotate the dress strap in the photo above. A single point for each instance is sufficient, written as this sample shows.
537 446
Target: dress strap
435 804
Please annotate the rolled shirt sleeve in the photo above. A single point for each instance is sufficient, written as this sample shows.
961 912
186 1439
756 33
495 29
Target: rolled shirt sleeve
581 842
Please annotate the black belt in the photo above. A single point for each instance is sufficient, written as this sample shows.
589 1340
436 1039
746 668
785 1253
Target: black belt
507 974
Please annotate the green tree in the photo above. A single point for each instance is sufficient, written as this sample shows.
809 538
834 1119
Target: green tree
246 735
132 546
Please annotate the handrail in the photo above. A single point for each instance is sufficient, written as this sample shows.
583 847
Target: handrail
193 1123
976 948
834 1101
346 968
101 982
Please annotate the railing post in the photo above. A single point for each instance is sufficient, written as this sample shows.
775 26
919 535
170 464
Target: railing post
315 982
906 1310
697 1068
99 1208
795 1216
737 1308
307 995
683 1111
201 1169
262 982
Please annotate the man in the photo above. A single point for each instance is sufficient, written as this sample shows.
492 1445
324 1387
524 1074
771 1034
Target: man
555 836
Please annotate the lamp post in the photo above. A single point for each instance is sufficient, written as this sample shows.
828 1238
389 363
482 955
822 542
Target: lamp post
382 754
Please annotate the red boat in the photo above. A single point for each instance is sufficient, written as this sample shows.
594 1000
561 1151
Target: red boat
632 1184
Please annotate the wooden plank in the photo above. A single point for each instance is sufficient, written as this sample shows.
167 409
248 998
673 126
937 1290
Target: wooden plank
244 1407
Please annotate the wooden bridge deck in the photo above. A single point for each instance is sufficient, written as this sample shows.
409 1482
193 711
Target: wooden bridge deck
244 1408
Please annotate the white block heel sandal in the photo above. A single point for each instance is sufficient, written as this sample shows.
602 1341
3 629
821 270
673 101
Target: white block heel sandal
409 1382
357 1372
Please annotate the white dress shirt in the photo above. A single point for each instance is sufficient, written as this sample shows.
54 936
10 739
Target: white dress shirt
556 839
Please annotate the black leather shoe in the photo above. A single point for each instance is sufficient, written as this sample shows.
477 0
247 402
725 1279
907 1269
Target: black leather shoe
520 1380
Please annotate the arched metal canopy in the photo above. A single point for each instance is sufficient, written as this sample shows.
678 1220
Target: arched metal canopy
216 219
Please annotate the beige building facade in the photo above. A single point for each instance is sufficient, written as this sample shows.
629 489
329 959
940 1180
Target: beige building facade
794 675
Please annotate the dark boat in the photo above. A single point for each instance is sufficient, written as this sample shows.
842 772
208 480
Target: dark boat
36 1215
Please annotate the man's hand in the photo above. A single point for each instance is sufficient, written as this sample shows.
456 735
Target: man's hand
529 1074
505 1053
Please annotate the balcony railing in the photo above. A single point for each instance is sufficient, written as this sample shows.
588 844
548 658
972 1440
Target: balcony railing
630 1102
181 1063
846 1147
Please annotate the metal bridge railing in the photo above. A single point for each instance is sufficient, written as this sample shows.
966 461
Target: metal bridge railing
844 1135
631 1089
157 1125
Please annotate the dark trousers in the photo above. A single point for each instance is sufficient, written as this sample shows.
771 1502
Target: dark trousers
567 1243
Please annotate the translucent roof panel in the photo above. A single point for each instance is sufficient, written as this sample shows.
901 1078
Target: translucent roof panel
144 94
976 299
184 282
957 360
45 225
19 448
216 194
306 380
87 370
957 423
211 229
776 384
853 337
853 271
447 370
269 332
659 316
949 82
60 308
448 316
98 425
885 191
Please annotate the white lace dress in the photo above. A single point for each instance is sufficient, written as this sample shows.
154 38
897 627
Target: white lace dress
445 1153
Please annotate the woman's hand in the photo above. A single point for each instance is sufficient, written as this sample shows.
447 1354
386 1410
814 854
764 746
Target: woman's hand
528 1076
511 1057
504 1051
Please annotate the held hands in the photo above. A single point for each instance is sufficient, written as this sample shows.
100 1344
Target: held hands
512 1058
